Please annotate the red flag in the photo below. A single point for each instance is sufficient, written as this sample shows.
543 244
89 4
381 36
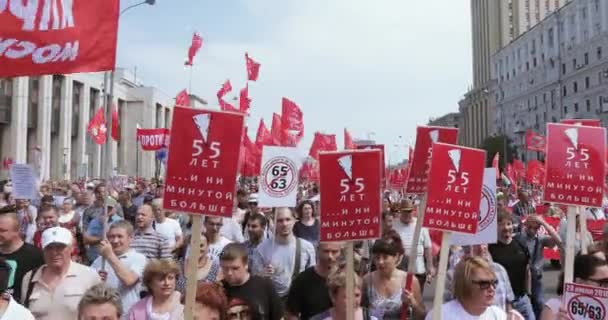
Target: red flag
153 139
495 164
348 140
322 142
410 154
97 127
197 43
534 141
182 98
263 136
519 169
252 158
535 173
244 100
292 121
226 87
510 172
275 130
309 171
225 106
253 68
115 124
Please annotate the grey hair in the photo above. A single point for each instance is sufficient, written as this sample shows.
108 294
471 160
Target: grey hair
100 294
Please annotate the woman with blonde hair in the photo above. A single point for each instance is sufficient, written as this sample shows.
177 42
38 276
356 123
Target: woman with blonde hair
474 290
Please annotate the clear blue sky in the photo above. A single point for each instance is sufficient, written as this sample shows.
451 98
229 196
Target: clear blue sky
378 67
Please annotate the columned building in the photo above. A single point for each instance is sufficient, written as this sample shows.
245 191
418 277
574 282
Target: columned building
44 119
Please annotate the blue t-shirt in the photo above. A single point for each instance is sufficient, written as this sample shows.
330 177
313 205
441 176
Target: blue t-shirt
95 229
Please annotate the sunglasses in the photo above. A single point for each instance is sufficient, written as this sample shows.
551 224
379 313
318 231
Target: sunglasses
485 284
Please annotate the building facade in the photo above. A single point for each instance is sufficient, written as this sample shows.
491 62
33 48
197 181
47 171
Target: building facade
557 70
451 119
44 119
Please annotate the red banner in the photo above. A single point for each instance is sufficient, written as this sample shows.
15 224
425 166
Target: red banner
454 189
322 142
576 156
203 161
153 139
583 122
348 140
350 195
536 172
535 141
292 123
377 147
57 37
419 168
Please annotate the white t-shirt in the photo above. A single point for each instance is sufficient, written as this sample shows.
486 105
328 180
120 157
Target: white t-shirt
169 229
135 262
406 231
16 311
232 230
215 249
454 310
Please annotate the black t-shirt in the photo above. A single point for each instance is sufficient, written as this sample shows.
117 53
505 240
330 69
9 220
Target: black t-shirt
259 293
130 213
308 294
515 260
24 259
309 233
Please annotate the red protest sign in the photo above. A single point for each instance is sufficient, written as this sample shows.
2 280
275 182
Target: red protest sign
583 122
350 188
454 189
419 168
203 161
153 139
57 37
378 147
574 167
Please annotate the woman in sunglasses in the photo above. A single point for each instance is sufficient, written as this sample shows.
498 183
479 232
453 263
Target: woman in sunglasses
588 269
474 290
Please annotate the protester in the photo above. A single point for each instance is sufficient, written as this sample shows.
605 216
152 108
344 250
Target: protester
167 227
257 292
128 208
100 302
119 266
97 209
10 309
210 302
54 290
163 302
474 290
256 224
307 226
580 237
308 294
95 230
207 267
387 221
27 215
217 242
145 239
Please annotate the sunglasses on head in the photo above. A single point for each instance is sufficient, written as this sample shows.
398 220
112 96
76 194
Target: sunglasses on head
485 284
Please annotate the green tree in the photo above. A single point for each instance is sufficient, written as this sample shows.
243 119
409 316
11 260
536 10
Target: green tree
495 144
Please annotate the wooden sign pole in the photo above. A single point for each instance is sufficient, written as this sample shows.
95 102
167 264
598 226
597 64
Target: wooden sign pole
570 238
411 263
192 264
350 278
441 275
583 219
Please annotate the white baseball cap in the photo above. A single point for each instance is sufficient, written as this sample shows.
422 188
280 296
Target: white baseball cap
56 235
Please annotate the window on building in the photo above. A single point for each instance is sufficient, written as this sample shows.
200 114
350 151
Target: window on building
575 87
565 93
599 53
586 58
544 97
565 110
563 68
576 107
587 82
550 37
574 64
534 62
588 103
553 119
545 116
527 66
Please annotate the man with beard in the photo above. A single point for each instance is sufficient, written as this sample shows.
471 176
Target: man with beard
309 294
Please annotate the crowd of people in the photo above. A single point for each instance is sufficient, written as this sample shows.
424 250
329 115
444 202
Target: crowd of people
90 251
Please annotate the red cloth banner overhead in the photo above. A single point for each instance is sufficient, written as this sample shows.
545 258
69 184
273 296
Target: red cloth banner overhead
419 163
322 142
203 161
495 164
97 127
348 141
182 98
454 188
292 123
536 172
253 68
226 87
519 169
350 188
535 141
251 158
57 37
377 147
309 171
583 122
195 45
153 139
263 136
244 101
397 177
275 130
115 124
574 166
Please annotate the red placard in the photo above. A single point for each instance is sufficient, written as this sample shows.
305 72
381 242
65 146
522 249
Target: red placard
203 161
153 139
350 195
583 122
454 189
378 147
574 167
57 37
419 168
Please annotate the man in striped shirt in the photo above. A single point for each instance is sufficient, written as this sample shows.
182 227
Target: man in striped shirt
146 240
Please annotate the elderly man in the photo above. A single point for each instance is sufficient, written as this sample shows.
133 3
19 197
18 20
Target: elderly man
146 240
54 290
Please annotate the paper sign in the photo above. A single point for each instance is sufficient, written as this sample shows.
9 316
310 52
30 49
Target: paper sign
487 223
24 181
379 147
419 169
583 122
203 161
119 182
585 302
350 188
574 167
454 189
279 177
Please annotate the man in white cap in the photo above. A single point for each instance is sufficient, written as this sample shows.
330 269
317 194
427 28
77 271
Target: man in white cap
54 290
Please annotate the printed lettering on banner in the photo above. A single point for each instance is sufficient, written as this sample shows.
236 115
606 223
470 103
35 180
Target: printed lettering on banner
279 177
153 139
203 161
487 227
585 302
57 36
454 189
379 147
350 188
419 170
119 182
24 181
574 167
